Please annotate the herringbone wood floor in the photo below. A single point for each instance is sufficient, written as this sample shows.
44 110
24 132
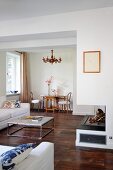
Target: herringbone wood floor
67 155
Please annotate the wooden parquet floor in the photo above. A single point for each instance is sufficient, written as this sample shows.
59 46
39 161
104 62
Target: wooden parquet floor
67 155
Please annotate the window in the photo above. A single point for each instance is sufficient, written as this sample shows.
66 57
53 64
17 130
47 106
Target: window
12 73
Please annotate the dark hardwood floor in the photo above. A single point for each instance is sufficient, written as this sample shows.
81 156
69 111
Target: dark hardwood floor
67 155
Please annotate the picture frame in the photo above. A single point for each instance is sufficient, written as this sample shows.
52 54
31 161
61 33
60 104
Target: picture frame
91 61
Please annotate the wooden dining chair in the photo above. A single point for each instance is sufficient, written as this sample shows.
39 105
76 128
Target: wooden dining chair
65 104
34 101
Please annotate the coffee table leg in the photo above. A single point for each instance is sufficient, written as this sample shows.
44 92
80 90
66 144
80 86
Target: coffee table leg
12 133
8 129
40 132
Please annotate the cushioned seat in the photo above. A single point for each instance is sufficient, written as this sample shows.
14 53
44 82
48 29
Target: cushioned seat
35 101
19 111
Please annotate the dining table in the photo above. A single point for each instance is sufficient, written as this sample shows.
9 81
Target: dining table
50 103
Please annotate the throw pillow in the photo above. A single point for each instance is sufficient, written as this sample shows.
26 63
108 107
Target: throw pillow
9 104
14 156
17 104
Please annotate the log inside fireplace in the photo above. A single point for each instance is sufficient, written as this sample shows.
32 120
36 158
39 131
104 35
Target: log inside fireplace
86 125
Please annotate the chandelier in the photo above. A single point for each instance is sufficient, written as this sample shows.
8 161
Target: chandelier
52 59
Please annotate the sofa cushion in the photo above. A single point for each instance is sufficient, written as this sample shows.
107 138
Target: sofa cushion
14 156
4 115
9 113
19 111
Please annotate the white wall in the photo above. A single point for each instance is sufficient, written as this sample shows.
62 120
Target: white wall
94 32
62 72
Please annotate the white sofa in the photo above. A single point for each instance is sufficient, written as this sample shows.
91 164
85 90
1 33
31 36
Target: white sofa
40 158
10 114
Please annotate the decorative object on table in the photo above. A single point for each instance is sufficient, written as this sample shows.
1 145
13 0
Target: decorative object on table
91 61
52 59
54 92
28 117
34 117
49 81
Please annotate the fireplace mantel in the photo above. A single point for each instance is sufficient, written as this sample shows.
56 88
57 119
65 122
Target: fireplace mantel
92 135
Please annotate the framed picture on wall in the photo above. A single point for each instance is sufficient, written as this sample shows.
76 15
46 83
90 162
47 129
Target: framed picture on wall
91 61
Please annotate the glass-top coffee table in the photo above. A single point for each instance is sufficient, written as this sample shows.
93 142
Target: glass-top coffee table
42 123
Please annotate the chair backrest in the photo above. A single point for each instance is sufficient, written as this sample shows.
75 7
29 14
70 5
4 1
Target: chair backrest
69 96
31 95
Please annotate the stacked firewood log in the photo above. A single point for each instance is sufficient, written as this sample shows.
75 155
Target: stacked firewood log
98 118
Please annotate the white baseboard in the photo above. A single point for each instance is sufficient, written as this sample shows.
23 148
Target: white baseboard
83 113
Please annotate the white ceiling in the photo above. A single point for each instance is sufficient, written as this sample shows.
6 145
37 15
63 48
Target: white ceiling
18 9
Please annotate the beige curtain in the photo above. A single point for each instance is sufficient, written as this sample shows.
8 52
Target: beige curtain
25 90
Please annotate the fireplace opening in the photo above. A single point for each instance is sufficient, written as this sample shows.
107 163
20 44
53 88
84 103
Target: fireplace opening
97 121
